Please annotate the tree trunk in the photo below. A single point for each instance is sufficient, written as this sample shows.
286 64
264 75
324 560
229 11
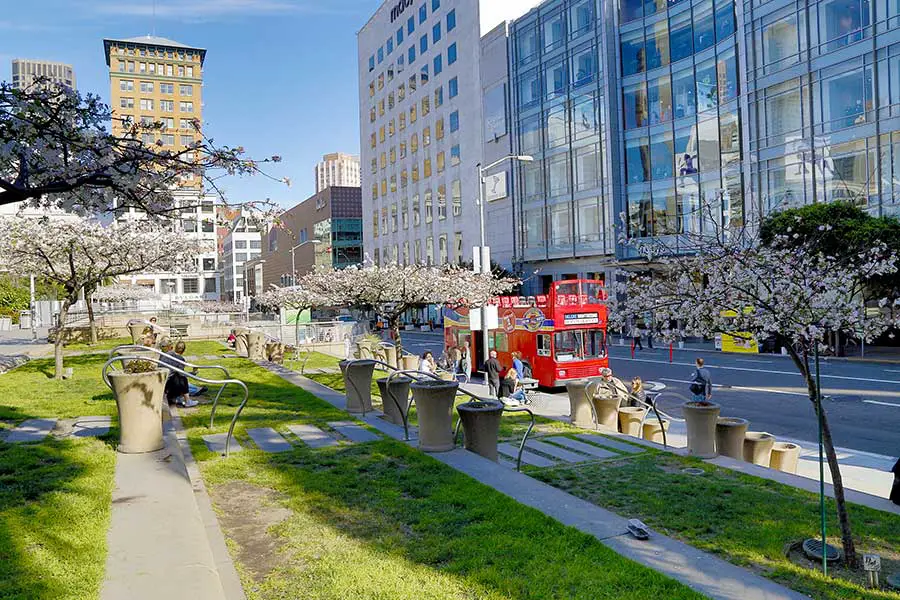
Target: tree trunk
60 335
394 324
834 467
92 323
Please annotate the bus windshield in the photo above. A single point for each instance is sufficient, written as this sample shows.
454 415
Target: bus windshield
579 345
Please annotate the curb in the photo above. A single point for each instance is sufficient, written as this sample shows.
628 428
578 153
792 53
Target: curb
228 575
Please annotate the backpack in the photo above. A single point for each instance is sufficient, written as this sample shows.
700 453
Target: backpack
526 370
699 384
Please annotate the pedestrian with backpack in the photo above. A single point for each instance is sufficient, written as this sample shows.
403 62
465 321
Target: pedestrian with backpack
701 383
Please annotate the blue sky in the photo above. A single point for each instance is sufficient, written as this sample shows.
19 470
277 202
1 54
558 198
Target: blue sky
280 77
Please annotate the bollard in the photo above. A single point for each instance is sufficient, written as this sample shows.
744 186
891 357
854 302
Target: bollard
671 352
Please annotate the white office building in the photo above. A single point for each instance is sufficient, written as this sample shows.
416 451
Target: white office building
243 243
421 126
337 170
197 221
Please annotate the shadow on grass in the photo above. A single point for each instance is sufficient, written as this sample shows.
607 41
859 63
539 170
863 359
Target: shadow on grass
54 506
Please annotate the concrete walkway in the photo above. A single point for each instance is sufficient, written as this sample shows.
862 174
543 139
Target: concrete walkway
699 570
161 544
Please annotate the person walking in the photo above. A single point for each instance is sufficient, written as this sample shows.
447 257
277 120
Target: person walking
492 368
701 383
636 337
465 362
517 364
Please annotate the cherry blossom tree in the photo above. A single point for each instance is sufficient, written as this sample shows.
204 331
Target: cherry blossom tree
726 281
293 298
122 293
393 289
56 151
81 254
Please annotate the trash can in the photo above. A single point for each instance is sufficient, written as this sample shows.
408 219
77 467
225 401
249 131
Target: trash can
24 319
139 398
481 426
434 407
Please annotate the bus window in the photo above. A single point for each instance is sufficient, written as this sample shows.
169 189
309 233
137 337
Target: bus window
569 346
543 345
593 291
570 288
595 344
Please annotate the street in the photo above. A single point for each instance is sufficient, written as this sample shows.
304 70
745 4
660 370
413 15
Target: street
862 404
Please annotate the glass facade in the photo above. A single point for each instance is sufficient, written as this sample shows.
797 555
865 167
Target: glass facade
664 105
559 93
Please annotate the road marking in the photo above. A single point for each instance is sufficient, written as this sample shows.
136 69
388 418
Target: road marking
892 371
824 376
881 403
756 362
742 388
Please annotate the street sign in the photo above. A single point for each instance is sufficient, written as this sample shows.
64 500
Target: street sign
871 562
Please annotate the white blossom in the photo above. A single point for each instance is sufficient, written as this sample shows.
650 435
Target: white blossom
122 293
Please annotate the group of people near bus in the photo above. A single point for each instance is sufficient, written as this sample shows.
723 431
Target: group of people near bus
506 383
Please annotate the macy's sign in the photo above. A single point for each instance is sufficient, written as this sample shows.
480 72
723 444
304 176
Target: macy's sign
398 10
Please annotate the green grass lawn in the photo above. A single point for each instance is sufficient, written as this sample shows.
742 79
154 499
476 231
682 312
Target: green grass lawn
193 347
54 496
384 521
744 519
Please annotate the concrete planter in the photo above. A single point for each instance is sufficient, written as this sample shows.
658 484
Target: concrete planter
700 418
630 418
364 350
241 344
580 410
390 355
139 398
481 426
275 352
136 331
358 384
434 406
399 389
652 431
256 346
446 376
730 436
606 408
758 447
410 362
785 457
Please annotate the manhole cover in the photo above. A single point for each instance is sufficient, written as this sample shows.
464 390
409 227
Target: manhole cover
693 471
894 581
812 548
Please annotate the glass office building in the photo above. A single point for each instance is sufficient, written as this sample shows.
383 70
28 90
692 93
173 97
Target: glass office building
743 107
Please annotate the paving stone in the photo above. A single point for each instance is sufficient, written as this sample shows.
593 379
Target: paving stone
556 452
354 432
216 443
269 440
91 426
528 458
604 441
30 431
312 436
582 447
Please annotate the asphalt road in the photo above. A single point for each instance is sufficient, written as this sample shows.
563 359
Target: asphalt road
862 404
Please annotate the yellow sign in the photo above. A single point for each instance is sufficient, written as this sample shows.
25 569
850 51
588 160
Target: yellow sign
742 343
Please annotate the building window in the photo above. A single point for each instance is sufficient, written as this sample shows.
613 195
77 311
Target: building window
455 158
167 105
411 54
209 264
209 285
429 208
456 197
126 85
208 226
399 36
423 14
147 87
423 44
451 20
453 88
454 121
146 104
438 65
390 45
410 25
167 139
442 248
438 96
451 54
186 90
436 33
371 64
554 31
190 286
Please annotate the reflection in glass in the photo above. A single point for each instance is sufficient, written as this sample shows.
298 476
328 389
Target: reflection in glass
584 67
681 36
730 140
584 117
635 100
631 10
657 45
846 98
527 41
554 31
707 94
587 167
727 70
529 88
704 29
659 97
532 181
640 214
661 155
530 135
783 115
781 41
637 160
686 159
555 79
708 134
561 224
688 215
589 220
633 58
558 175
665 211
725 25
842 21
557 127
534 228
683 93
581 16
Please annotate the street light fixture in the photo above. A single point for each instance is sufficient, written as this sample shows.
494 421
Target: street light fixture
293 267
483 250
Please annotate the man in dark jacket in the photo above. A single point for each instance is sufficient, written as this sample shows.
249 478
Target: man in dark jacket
493 367
895 489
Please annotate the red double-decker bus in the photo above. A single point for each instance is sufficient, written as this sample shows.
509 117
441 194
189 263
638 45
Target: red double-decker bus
561 334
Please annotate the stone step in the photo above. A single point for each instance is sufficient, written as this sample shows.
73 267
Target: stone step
216 443
581 447
31 431
354 432
528 458
556 452
312 436
269 440
604 441
91 426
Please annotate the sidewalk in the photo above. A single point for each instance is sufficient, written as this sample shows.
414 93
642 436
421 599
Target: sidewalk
18 342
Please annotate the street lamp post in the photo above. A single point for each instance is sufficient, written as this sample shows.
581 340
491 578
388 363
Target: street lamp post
293 267
33 315
484 257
